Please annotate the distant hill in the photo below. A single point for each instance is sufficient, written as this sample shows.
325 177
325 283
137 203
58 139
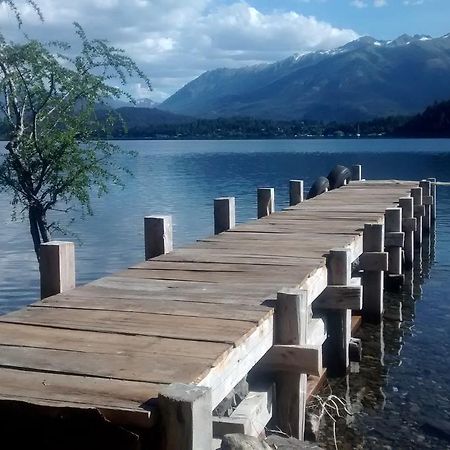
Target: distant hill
433 122
362 80
139 117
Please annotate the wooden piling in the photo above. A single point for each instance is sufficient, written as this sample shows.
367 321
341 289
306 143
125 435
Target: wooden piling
372 279
224 214
416 194
394 241
291 318
427 201
57 267
157 236
408 227
338 321
186 412
434 195
266 202
295 192
356 171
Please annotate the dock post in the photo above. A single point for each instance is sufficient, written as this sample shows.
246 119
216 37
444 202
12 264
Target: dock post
394 241
408 227
224 214
356 172
427 201
417 195
157 235
295 192
291 319
338 322
266 202
373 276
434 195
57 267
186 412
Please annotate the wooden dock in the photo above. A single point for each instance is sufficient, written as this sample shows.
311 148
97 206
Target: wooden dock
198 316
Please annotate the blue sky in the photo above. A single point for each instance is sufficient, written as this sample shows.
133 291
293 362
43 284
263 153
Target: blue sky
174 41
383 19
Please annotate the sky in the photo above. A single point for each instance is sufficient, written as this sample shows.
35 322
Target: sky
174 41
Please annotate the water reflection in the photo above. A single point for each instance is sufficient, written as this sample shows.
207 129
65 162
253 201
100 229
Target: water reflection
399 393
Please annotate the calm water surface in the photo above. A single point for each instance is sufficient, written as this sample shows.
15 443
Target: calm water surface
404 378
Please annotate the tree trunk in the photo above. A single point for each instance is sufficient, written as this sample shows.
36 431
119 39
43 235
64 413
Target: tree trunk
34 230
38 228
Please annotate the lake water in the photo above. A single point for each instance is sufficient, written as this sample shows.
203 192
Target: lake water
400 384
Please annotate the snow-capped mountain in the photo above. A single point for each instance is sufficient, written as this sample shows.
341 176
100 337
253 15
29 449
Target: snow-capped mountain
363 79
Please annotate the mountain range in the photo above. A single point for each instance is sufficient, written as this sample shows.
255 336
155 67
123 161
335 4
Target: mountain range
363 79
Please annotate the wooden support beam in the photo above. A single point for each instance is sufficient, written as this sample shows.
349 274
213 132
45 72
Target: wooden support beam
427 204
291 319
372 281
407 205
224 214
57 267
338 322
158 237
304 358
295 192
340 297
251 415
374 261
434 195
266 202
356 172
394 239
186 416
416 194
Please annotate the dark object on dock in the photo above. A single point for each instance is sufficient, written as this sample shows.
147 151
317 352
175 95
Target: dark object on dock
339 176
319 186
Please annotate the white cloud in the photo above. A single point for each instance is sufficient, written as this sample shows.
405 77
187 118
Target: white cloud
176 40
379 3
359 4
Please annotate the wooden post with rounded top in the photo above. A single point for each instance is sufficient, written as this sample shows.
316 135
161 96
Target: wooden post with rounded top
408 227
266 202
427 201
186 412
394 240
356 171
291 321
57 267
434 195
295 192
224 214
416 194
157 236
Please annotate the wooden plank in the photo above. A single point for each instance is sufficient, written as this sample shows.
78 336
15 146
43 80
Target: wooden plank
106 343
135 400
159 369
253 313
179 327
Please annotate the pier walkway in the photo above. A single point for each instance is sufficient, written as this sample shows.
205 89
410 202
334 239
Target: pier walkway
201 315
